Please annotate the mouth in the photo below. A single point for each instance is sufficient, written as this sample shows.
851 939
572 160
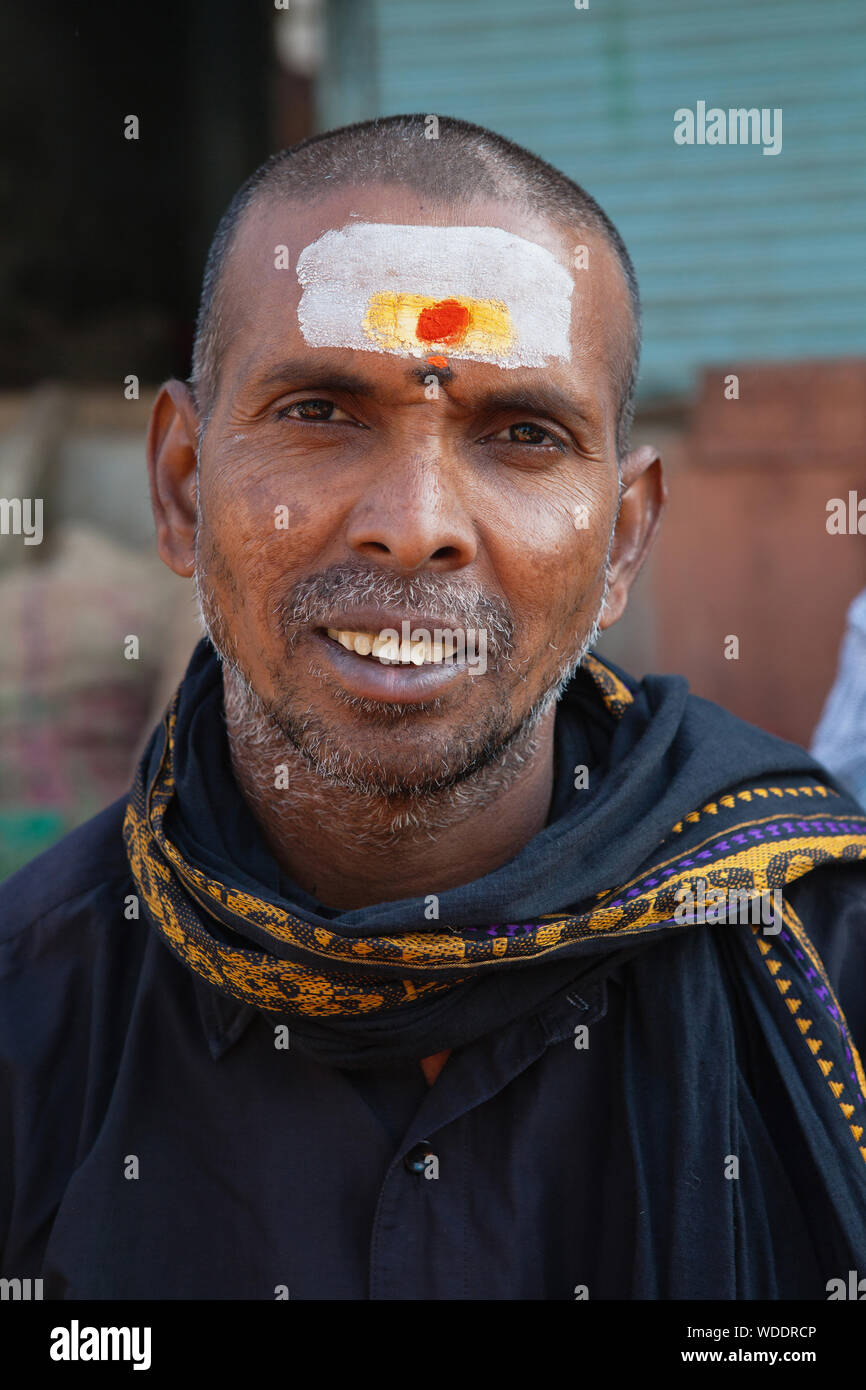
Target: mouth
391 650
385 665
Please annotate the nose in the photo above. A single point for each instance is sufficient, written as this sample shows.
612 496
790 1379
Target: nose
411 517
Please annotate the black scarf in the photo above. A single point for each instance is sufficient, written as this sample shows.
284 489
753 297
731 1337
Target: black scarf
681 793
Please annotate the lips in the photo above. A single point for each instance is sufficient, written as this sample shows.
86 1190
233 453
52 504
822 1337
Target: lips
385 679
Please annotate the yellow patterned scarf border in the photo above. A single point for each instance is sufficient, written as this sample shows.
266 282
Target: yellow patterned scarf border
175 892
803 1012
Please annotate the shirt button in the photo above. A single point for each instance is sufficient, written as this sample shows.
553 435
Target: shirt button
416 1159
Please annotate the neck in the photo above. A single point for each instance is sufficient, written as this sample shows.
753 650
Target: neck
350 849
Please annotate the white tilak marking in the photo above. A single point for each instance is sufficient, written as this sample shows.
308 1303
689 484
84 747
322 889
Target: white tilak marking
341 270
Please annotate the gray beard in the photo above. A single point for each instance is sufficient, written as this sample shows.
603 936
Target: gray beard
464 774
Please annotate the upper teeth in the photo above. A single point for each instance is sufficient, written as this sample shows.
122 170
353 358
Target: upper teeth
389 649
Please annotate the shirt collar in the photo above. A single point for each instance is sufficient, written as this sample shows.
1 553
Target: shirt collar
225 1020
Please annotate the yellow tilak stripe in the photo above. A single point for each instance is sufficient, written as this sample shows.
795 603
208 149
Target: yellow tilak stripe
391 321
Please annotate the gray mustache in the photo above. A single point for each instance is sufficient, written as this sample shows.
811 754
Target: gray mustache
311 600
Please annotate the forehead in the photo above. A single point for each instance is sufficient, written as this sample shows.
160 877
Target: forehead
389 271
479 293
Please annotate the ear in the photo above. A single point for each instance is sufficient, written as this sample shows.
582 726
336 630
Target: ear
171 449
642 503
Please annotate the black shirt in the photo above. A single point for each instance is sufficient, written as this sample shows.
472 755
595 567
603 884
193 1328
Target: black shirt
158 1144
157 1140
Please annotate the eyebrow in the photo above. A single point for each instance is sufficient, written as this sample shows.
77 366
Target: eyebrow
540 400
543 399
320 373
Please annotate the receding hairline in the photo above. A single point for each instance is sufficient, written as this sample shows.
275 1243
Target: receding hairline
270 198
483 166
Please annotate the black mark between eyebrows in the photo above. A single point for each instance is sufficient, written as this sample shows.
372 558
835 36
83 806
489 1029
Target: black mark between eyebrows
442 374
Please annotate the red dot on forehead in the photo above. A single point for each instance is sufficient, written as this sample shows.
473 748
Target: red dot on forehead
443 322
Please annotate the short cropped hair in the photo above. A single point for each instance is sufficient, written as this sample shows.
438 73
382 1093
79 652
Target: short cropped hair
463 161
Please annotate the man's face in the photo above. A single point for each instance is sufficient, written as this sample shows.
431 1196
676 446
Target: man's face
356 490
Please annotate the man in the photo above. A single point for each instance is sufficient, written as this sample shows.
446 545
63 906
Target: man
431 957
839 741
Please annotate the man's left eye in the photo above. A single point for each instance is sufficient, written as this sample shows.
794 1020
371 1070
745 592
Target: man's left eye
316 408
527 433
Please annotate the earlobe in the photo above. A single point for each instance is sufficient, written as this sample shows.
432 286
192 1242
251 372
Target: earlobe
643 498
171 457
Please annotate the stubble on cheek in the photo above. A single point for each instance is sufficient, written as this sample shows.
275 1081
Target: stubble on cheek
217 591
